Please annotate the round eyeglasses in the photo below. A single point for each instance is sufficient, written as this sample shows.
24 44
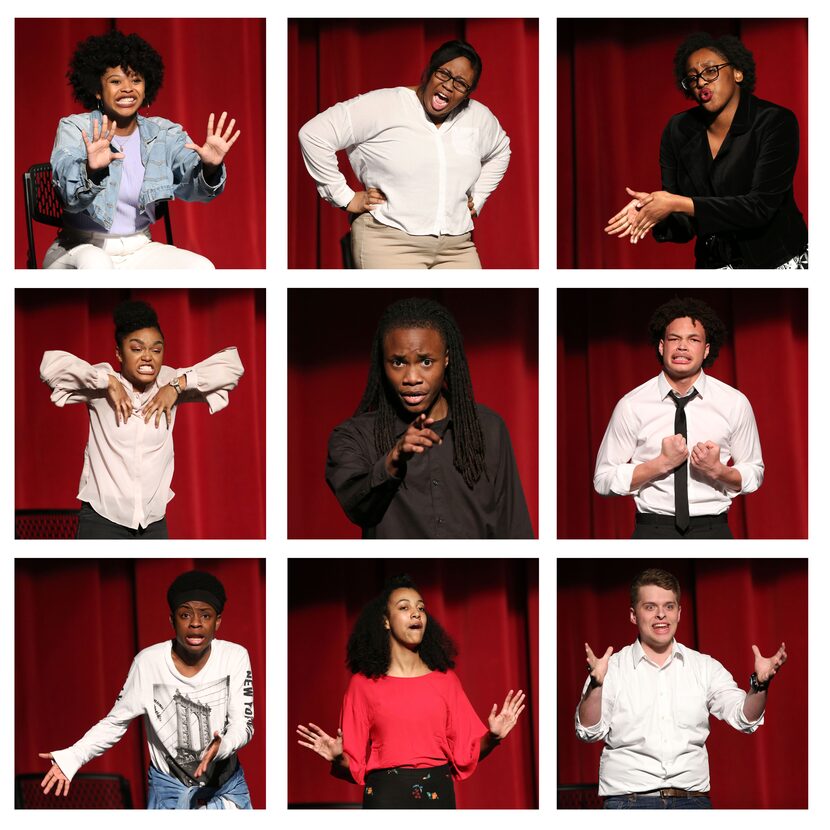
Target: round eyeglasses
709 74
458 84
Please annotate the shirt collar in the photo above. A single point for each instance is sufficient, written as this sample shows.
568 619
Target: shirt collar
664 387
638 654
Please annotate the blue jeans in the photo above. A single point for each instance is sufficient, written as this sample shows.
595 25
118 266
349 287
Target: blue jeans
639 802
167 793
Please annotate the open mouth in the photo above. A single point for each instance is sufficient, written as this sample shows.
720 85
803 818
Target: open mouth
126 102
194 640
705 95
681 358
440 101
413 398
144 369
661 628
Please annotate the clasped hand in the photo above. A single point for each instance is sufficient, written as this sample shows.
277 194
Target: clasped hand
640 215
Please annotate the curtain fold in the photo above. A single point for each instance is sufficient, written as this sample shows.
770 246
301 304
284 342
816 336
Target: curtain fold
327 375
219 478
336 59
616 92
728 605
604 353
211 65
489 608
78 625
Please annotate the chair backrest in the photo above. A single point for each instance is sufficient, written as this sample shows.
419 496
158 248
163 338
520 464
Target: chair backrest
88 791
45 524
44 205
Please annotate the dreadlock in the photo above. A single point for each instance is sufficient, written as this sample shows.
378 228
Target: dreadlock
421 313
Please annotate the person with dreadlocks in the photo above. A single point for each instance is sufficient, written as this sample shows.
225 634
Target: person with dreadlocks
112 167
670 440
128 461
421 459
406 727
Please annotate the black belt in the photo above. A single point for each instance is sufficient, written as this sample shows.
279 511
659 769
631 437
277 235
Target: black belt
668 521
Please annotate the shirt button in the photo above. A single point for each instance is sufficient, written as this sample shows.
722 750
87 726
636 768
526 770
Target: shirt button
435 482
440 520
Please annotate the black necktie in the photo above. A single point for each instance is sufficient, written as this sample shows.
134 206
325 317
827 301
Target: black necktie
681 471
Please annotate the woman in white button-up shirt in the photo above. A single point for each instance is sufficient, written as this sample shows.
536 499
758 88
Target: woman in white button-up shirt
128 460
429 157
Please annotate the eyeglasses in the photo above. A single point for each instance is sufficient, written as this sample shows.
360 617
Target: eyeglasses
458 84
709 74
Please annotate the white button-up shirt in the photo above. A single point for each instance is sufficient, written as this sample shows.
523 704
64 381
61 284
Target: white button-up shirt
645 416
655 719
128 467
426 173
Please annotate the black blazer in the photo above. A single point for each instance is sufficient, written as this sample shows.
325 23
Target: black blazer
745 213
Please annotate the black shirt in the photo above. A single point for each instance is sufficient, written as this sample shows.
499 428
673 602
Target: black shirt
431 500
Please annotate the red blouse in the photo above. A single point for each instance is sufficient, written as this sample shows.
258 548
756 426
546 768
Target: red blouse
418 722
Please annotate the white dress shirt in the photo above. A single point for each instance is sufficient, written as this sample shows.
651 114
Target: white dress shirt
655 719
426 173
645 416
128 467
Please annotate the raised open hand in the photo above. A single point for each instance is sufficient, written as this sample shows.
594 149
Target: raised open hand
767 667
323 744
217 144
500 724
54 776
598 666
98 151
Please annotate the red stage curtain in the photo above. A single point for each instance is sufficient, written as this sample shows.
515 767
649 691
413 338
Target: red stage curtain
604 353
327 376
336 59
78 625
616 92
211 65
727 606
490 607
220 459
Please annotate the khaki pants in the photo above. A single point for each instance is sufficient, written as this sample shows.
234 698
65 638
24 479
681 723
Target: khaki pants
375 245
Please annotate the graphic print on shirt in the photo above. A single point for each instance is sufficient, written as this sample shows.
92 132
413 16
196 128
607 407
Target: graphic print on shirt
186 720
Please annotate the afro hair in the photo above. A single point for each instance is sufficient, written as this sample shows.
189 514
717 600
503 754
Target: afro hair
698 311
730 48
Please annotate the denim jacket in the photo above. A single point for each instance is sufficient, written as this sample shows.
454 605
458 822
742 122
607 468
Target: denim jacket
170 171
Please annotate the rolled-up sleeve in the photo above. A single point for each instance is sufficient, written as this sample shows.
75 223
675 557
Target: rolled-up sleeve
591 733
614 468
745 447
726 701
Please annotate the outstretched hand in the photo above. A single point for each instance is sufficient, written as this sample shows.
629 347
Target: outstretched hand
217 144
208 756
767 667
500 724
323 744
98 151
54 776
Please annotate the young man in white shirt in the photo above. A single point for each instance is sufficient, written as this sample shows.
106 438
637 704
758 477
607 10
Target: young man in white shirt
651 704
669 441
196 696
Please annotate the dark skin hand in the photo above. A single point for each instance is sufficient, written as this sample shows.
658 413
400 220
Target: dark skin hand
416 440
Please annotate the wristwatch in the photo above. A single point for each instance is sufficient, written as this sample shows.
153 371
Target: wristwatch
175 384
756 684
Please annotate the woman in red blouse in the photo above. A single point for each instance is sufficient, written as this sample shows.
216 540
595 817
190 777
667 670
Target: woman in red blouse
406 727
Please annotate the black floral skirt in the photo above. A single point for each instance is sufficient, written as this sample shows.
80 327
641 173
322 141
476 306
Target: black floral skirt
404 788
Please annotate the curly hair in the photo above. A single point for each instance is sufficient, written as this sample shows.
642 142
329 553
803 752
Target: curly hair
368 651
97 53
468 444
132 315
698 311
729 47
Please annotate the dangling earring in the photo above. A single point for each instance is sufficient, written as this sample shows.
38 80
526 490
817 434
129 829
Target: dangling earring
100 105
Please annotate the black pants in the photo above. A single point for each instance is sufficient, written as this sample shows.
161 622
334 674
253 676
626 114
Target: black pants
651 526
404 788
92 525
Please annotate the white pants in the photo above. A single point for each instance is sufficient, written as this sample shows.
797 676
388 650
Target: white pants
79 249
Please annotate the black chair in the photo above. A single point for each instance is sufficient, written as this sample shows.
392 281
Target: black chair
88 791
346 250
44 205
45 524
578 797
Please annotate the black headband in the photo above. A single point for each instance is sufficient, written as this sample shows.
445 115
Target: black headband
196 585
